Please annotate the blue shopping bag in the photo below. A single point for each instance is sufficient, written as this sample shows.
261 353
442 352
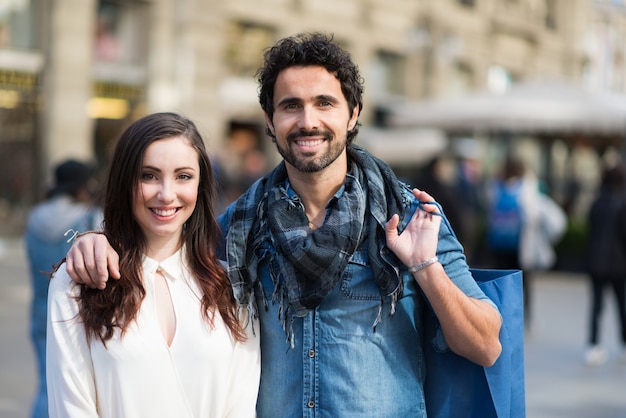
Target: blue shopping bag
457 387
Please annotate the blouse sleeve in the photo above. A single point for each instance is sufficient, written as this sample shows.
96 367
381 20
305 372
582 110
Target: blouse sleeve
69 370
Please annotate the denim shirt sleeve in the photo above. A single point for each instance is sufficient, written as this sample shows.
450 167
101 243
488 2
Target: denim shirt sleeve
223 221
452 258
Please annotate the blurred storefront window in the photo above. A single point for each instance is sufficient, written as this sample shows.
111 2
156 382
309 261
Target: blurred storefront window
113 105
121 32
551 15
17 30
20 66
18 121
389 73
245 46
461 80
467 3
121 45
499 79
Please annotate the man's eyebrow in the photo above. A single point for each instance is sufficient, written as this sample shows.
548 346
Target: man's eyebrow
289 100
319 97
327 98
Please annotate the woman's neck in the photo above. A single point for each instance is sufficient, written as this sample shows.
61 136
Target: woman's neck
162 248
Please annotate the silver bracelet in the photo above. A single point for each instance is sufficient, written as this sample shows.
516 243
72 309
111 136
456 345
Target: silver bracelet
422 266
75 234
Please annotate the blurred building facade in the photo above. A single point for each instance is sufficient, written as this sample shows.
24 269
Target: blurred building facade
73 73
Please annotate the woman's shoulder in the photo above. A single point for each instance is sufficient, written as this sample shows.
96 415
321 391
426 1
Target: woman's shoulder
60 281
62 296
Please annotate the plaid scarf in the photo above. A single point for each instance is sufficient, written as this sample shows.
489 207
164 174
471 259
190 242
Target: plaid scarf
311 262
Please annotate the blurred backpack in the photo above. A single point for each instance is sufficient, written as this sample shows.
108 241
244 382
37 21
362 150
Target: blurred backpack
504 222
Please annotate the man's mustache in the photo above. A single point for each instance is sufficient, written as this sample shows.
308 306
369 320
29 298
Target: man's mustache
304 134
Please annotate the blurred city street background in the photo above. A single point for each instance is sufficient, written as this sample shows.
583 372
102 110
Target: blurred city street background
558 384
452 87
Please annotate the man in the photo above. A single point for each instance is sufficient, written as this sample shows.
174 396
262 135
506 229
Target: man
313 248
69 205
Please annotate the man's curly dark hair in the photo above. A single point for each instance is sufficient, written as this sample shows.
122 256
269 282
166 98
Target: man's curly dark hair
308 49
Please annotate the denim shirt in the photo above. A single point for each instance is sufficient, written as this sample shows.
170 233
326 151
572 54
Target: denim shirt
341 366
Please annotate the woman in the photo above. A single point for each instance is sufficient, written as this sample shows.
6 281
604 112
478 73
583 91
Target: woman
165 340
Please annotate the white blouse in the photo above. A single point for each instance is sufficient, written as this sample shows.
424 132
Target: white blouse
204 373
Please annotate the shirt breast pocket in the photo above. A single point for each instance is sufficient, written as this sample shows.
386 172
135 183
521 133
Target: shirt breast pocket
358 282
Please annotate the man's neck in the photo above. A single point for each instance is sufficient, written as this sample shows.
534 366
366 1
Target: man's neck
316 189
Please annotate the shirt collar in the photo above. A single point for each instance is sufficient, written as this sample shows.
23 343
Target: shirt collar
173 266
292 193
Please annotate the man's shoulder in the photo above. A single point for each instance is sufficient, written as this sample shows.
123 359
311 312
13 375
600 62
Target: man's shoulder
224 219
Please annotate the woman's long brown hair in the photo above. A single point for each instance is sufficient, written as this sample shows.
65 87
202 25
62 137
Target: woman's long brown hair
115 307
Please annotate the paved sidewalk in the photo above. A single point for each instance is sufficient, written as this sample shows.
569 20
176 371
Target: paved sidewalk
17 367
558 384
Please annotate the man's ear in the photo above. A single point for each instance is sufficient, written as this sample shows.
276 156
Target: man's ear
270 125
354 119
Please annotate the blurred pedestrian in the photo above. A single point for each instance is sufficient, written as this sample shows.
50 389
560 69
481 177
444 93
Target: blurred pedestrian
470 191
238 164
505 216
69 205
606 261
438 177
523 225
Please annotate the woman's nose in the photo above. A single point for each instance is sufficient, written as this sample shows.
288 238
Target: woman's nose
166 192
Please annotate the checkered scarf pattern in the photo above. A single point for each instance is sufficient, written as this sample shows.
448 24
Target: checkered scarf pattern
311 262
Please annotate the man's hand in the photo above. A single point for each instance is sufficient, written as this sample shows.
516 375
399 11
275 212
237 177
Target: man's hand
418 242
91 261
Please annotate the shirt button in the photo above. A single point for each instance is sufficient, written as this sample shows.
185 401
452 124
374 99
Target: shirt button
311 404
311 353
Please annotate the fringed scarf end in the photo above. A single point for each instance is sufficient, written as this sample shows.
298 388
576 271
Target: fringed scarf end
250 315
378 315
392 310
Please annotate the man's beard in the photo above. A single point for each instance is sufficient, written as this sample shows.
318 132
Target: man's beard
316 164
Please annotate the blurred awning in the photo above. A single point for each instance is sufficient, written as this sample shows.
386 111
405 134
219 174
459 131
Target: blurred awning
540 107
403 145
